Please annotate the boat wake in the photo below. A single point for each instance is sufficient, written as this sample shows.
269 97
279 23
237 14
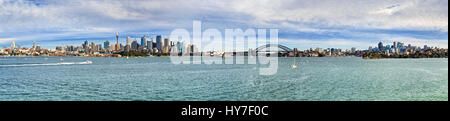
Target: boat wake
48 64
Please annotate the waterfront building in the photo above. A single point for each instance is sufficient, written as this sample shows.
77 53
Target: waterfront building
106 44
128 44
13 45
134 45
99 47
92 47
380 46
150 45
143 41
395 45
34 45
179 47
159 43
85 45
166 45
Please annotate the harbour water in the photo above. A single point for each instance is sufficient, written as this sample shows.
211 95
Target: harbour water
157 79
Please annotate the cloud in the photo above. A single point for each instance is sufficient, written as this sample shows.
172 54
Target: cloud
339 20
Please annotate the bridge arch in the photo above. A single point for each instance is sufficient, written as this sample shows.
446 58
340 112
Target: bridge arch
282 47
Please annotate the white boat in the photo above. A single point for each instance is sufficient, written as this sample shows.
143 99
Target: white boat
88 62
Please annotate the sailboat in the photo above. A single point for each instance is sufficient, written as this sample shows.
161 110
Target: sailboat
294 65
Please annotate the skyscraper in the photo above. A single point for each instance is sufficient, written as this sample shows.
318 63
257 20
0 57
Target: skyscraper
150 45
381 46
134 45
395 44
93 47
143 41
106 44
158 43
86 45
128 44
13 45
34 45
166 45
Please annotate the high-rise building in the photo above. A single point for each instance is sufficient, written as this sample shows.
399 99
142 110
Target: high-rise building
179 47
166 45
13 45
98 47
86 45
128 44
106 44
159 43
134 45
143 41
150 45
34 45
380 46
395 45
93 47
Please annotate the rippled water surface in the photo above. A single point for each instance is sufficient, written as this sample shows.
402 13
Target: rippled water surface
156 79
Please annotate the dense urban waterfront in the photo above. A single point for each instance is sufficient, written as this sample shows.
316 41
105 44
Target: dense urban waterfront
157 79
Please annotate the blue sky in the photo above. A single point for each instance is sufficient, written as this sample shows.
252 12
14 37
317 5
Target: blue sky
302 23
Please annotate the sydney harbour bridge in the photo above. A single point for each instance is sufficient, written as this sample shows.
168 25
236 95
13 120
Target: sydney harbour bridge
269 49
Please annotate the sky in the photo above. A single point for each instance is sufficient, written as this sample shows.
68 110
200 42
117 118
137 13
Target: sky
302 24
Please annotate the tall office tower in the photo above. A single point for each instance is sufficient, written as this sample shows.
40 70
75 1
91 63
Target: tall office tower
182 48
128 44
179 47
106 44
158 43
380 46
99 47
34 45
166 45
395 44
150 44
93 46
143 41
134 45
13 45
85 45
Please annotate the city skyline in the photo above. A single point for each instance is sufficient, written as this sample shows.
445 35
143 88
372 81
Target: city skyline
343 24
127 40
